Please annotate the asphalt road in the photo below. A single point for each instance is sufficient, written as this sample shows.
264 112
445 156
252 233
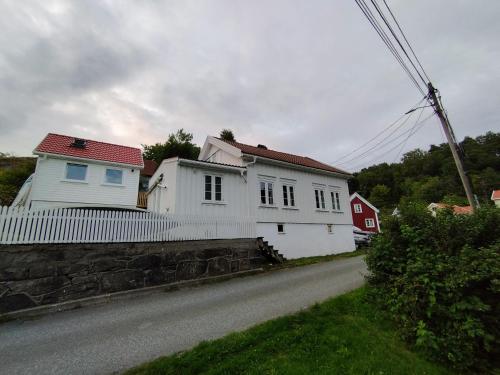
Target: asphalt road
121 334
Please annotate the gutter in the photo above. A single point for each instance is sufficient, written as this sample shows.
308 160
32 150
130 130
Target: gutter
87 160
209 165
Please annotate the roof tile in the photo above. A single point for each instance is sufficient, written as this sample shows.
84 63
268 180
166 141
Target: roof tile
61 145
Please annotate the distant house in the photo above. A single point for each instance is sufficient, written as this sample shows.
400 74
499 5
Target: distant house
495 197
364 214
457 210
74 172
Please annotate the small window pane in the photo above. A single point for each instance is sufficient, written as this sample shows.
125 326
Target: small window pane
263 193
218 188
270 193
208 188
337 197
76 172
285 196
322 199
292 197
114 176
316 194
281 228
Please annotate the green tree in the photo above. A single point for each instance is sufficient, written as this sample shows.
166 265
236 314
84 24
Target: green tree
227 135
13 173
380 196
178 144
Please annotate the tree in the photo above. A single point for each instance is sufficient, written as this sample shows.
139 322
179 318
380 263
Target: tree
380 196
178 144
227 135
13 174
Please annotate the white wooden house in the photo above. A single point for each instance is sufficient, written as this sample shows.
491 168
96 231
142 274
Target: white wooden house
73 172
301 206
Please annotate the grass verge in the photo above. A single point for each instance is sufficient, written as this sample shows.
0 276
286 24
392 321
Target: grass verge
344 335
298 262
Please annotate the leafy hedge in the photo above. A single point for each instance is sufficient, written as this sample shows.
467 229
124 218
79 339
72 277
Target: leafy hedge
440 279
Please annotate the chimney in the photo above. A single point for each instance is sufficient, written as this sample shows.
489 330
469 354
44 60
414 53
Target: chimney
79 143
262 146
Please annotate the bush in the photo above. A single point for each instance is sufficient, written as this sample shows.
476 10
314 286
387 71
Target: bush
440 279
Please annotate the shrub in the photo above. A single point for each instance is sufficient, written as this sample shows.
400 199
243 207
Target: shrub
440 279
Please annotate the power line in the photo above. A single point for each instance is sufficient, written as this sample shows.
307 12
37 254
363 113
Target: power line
382 144
382 15
385 38
380 133
409 135
420 125
406 40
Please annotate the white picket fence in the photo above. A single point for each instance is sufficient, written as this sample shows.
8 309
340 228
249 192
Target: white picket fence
24 226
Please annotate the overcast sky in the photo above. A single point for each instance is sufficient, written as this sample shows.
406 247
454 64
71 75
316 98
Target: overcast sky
306 77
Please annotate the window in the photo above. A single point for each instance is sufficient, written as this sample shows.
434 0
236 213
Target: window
329 228
370 223
76 172
213 188
319 195
288 196
335 195
114 176
266 193
357 208
281 228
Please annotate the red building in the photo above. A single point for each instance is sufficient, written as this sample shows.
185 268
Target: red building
364 214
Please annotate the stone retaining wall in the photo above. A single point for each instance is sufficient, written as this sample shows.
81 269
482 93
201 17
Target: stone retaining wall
34 275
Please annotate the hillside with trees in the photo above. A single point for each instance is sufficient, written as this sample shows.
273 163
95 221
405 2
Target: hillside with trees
431 176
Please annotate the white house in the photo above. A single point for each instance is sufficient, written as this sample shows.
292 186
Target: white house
73 172
301 206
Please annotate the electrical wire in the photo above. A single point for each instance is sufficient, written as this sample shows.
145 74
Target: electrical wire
385 38
420 125
380 133
404 143
406 40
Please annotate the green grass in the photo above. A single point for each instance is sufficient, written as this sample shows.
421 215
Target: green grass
298 262
344 335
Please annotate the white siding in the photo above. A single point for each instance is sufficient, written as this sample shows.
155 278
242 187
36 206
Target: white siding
305 240
216 155
162 198
50 190
305 211
191 188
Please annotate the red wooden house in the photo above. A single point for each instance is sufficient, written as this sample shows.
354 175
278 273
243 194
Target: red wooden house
364 214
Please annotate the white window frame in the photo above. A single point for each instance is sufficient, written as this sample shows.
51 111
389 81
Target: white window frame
289 193
358 208
269 191
106 182
213 193
319 198
335 198
84 181
370 220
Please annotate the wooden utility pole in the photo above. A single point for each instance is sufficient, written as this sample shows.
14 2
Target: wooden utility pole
453 145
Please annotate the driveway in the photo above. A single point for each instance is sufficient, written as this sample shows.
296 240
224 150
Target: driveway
122 334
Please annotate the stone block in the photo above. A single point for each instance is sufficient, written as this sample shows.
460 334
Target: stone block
39 270
36 287
145 262
235 265
191 270
14 273
213 253
115 281
13 302
158 276
107 264
218 266
240 253
244 264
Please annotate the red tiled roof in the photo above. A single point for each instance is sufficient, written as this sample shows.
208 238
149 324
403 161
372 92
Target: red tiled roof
495 195
462 210
61 145
282 156
150 167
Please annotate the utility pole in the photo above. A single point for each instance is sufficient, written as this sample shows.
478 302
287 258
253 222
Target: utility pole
453 145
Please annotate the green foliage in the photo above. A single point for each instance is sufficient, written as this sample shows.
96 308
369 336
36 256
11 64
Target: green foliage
345 335
440 280
227 135
429 176
380 195
13 173
178 144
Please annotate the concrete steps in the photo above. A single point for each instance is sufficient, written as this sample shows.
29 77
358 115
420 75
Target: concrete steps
269 251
